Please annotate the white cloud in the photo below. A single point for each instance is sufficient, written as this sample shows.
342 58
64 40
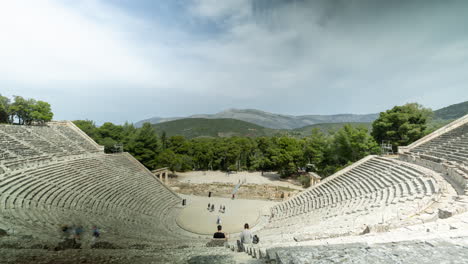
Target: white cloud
300 59
215 9
43 41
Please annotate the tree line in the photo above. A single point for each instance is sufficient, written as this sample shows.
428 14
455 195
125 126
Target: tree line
24 111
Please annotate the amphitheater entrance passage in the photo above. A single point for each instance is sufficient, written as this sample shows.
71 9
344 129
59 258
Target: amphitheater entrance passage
162 174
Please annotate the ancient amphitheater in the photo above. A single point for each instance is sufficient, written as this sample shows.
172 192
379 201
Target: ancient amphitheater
402 209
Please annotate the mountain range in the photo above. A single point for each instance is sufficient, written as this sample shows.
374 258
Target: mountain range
279 121
271 120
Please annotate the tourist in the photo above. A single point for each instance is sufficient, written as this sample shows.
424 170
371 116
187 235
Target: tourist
246 236
96 233
65 231
218 220
212 208
219 233
78 231
209 206
224 209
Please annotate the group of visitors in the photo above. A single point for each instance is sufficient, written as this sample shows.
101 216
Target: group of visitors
246 237
75 232
211 208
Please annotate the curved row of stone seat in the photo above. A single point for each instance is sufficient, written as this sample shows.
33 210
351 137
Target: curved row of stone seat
21 144
374 191
375 174
450 146
74 176
101 185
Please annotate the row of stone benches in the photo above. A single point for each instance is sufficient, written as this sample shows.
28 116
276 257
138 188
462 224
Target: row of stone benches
23 142
366 178
109 185
72 178
450 146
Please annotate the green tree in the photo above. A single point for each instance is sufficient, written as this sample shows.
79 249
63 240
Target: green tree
202 153
128 132
4 109
173 161
164 140
286 155
178 144
41 112
144 146
353 143
401 125
315 148
22 109
89 127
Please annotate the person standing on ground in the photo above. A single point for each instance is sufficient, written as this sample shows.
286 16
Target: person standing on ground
246 236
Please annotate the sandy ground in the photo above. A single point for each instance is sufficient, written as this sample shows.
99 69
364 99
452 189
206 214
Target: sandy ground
196 218
223 177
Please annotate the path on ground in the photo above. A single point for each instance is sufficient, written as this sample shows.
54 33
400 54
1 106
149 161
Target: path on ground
195 217
202 177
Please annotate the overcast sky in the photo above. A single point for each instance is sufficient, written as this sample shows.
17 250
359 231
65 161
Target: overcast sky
127 60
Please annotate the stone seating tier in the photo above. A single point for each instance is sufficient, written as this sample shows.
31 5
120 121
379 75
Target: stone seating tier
107 189
20 145
373 175
374 189
449 146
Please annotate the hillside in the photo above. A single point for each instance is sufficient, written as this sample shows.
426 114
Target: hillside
452 111
259 123
202 127
271 120
225 127
328 127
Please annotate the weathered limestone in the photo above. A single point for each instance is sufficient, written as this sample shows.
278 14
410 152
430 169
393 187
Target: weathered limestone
162 174
444 151
55 174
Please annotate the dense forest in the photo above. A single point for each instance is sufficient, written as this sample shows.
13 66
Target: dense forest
24 111
323 153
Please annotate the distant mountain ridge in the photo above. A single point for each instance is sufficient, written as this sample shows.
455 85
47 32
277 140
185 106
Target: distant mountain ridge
452 111
254 123
271 120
